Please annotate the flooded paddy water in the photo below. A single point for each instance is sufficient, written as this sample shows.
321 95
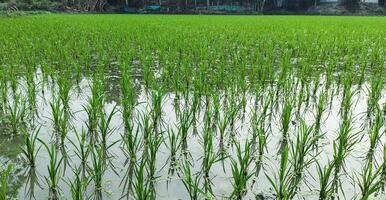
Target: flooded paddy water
193 111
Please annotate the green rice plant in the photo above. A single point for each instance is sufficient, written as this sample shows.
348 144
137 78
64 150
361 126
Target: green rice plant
105 131
131 146
300 153
325 180
375 134
54 171
285 122
64 85
191 181
174 144
157 97
369 182
16 114
375 91
343 145
97 170
320 109
240 171
94 106
128 95
60 120
185 122
30 149
4 178
78 185
281 182
154 142
31 93
82 150
142 188
210 157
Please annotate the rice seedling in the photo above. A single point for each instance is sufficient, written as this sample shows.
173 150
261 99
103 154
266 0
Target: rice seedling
174 144
97 170
54 171
325 182
300 153
16 114
82 150
191 181
281 181
131 146
240 171
374 136
30 149
369 182
78 186
285 122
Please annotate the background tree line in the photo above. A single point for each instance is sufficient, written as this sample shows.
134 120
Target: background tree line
100 5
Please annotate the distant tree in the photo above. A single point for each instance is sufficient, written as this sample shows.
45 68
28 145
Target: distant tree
260 5
350 4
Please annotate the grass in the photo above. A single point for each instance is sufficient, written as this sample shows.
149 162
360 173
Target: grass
204 104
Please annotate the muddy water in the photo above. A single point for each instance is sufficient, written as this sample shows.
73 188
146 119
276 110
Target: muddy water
23 185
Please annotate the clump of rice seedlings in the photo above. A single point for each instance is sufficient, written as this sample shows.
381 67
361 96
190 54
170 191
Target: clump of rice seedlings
375 91
300 151
16 114
153 141
285 122
157 96
281 181
105 131
97 170
191 181
369 181
174 144
185 121
128 95
53 167
210 157
94 106
325 180
60 120
82 150
78 185
64 86
260 136
31 92
343 145
142 187
30 149
130 147
4 178
375 134
240 170
320 109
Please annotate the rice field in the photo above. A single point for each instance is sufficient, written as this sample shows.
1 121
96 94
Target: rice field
192 107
